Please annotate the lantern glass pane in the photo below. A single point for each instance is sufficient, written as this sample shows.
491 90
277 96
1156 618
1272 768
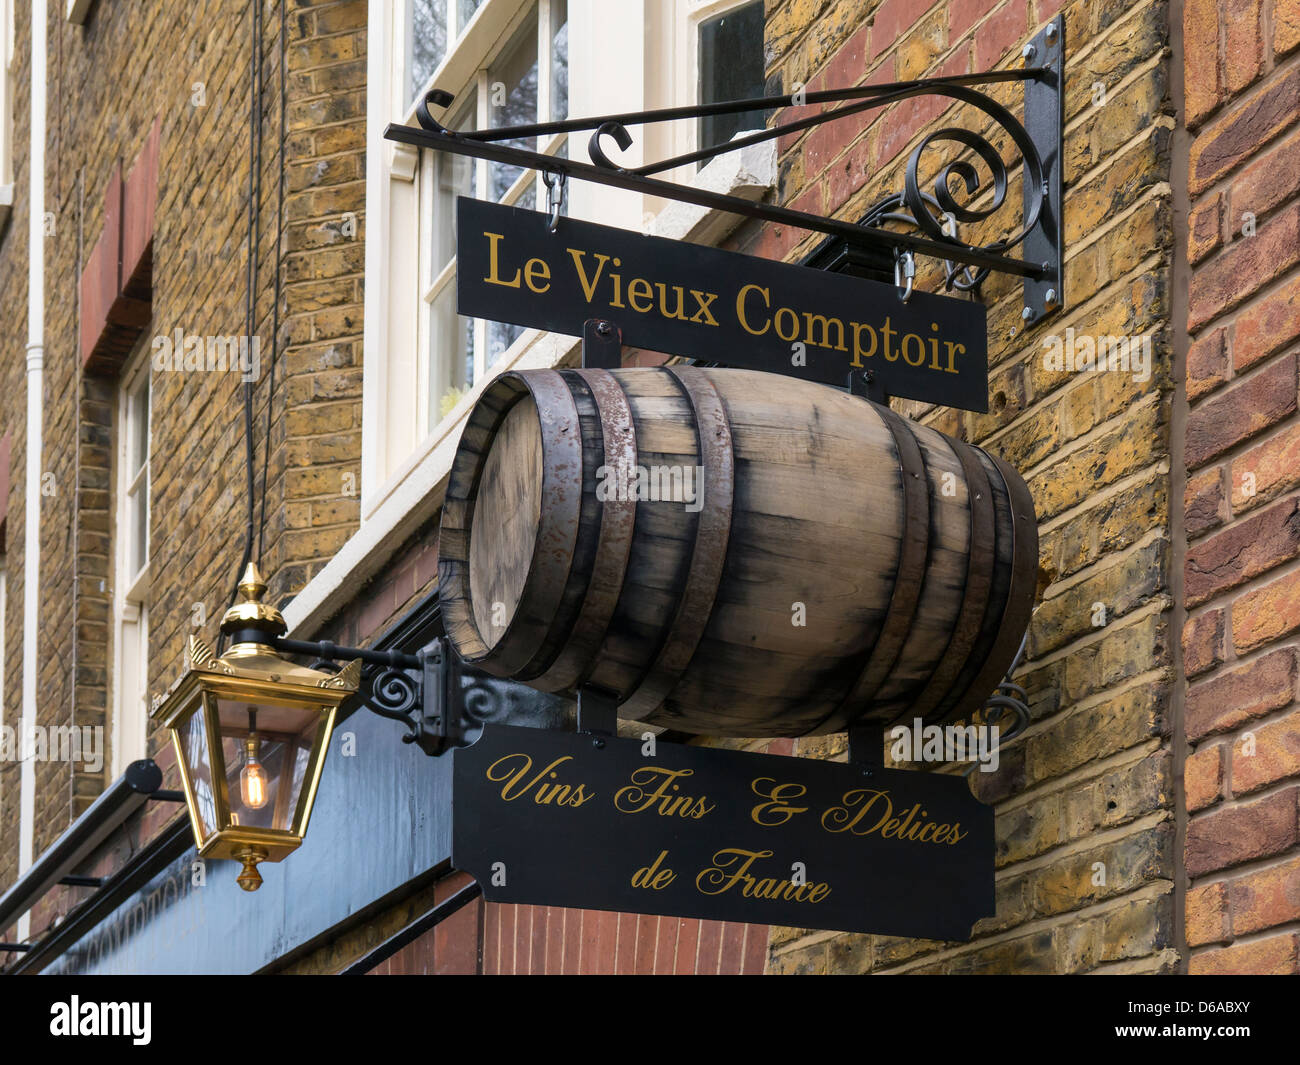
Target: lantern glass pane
198 764
266 797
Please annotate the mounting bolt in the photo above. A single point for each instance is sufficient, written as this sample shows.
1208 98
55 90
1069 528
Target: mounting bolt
1026 314
1051 31
1050 297
1028 52
598 743
602 329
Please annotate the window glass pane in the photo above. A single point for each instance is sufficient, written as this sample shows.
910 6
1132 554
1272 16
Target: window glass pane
265 799
731 68
559 60
465 11
512 100
426 42
194 740
139 531
500 335
451 371
138 443
453 176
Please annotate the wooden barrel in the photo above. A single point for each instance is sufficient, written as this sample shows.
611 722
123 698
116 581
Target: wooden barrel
731 553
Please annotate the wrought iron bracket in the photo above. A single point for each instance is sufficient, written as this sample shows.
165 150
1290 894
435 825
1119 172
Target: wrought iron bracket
933 216
410 689
442 702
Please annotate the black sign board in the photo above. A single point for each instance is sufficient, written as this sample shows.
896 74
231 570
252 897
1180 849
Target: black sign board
565 819
700 302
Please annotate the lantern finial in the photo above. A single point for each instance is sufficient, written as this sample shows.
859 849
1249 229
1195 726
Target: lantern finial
249 878
250 612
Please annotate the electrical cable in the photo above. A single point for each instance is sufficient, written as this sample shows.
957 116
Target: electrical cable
250 306
275 310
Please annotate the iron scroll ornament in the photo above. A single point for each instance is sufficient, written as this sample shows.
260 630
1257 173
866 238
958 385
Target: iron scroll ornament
1041 175
913 197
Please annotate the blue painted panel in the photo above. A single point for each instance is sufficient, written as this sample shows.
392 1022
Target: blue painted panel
382 817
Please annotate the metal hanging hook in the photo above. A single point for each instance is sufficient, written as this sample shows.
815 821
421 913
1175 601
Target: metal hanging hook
556 184
904 267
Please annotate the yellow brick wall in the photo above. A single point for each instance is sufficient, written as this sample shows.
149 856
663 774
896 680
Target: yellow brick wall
1089 786
189 67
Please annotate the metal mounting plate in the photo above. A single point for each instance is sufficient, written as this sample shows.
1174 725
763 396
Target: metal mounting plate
1045 123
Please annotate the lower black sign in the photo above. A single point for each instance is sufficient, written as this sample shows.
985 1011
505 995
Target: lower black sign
564 819
737 310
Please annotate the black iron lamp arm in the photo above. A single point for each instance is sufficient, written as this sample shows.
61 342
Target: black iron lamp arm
403 687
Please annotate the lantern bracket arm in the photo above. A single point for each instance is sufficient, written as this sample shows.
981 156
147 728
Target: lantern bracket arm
407 688
928 219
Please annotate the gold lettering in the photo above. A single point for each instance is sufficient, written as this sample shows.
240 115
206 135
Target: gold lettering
652 877
858 353
846 819
639 795
679 311
920 349
588 287
494 277
740 310
703 305
794 323
535 270
952 354
639 289
512 771
776 810
825 323
717 877
731 869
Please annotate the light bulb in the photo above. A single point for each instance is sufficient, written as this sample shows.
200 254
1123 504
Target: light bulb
252 778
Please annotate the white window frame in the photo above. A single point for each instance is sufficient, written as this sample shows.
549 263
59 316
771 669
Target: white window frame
402 479
397 429
130 678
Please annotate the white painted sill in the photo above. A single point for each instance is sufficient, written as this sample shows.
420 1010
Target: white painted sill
414 493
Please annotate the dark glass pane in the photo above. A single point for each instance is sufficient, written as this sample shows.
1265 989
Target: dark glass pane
731 68
465 11
426 42
512 100
559 60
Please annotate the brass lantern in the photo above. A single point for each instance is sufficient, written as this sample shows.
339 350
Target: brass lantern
251 730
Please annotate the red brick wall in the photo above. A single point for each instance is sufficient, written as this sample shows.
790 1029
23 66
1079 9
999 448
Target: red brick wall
1242 506
548 940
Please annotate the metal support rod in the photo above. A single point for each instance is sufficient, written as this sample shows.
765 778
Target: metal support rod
167 795
414 930
597 713
82 839
83 881
622 179
16 948
330 652
867 745
602 344
759 103
865 383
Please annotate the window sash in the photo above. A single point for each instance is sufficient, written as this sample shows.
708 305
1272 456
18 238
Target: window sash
435 276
